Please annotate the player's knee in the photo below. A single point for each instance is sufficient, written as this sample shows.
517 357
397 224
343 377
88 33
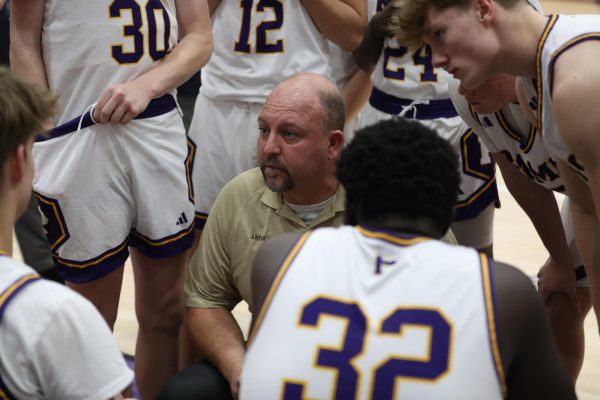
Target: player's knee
165 316
560 311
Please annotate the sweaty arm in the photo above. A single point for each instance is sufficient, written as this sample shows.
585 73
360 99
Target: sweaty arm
341 21
26 20
575 96
540 206
532 366
121 103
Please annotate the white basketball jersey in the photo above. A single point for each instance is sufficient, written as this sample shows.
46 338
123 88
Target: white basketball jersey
407 74
258 44
360 314
560 34
90 44
508 131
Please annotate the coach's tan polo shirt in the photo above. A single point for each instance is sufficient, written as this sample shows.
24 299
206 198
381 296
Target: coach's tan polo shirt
245 214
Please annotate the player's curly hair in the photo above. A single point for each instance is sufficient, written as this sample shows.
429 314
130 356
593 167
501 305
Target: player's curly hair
399 168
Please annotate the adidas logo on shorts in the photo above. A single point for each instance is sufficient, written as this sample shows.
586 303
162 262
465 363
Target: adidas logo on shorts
182 219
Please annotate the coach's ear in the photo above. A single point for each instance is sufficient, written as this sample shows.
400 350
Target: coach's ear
336 142
17 162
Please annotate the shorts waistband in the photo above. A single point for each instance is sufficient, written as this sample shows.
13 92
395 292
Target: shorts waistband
156 107
395 105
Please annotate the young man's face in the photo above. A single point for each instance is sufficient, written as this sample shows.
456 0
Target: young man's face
461 43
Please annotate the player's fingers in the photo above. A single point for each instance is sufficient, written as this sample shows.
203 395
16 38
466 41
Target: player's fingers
127 117
105 112
101 104
118 114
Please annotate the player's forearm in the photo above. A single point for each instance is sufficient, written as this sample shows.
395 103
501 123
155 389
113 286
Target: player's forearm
341 21
219 338
186 59
26 41
369 50
540 206
356 93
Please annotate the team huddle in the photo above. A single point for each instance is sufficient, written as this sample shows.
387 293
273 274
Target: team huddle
338 176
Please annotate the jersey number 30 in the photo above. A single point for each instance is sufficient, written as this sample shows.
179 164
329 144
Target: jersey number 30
388 371
133 31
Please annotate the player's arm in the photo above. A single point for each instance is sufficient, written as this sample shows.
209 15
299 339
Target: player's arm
532 366
212 6
341 21
369 50
265 266
121 103
575 95
540 206
26 21
356 93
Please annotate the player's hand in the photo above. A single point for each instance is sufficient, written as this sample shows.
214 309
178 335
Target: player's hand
121 103
235 388
383 22
556 278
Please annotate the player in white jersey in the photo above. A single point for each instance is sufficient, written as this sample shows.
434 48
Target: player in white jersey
259 44
53 342
531 175
358 302
475 39
114 177
404 82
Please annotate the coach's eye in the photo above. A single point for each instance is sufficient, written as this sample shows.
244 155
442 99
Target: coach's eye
289 134
263 131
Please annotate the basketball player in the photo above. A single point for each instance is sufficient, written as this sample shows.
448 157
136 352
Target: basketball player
114 174
351 312
53 342
531 176
405 82
260 44
556 55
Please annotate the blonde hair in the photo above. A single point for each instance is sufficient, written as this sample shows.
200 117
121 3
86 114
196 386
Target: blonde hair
408 22
24 108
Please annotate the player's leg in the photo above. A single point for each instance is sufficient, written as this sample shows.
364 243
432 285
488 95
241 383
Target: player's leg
477 232
104 293
160 166
568 329
566 323
159 308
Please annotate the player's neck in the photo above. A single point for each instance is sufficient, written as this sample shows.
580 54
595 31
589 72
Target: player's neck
7 218
519 35
402 225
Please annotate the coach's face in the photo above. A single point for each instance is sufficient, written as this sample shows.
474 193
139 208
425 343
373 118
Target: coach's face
292 148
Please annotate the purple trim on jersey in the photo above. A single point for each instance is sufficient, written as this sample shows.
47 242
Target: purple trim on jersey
156 107
16 287
394 105
4 392
15 291
168 246
486 195
200 220
94 268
